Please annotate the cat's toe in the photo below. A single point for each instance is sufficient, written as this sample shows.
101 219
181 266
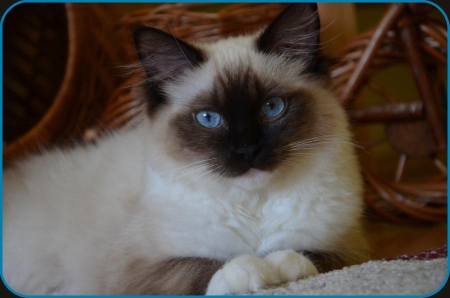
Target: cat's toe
243 274
290 265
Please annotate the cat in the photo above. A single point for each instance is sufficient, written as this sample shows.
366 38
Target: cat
241 175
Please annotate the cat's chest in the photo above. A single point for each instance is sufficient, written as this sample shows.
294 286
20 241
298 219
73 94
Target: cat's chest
224 228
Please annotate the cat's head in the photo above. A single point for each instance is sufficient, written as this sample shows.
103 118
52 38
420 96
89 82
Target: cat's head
243 106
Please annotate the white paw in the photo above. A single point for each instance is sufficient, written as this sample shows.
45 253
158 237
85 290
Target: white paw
243 274
290 265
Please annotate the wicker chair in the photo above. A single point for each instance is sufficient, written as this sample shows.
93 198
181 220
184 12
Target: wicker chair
69 44
414 129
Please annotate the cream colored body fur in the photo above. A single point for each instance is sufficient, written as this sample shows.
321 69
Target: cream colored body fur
73 219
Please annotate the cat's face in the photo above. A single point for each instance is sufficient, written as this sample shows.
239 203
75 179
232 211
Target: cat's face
243 121
242 105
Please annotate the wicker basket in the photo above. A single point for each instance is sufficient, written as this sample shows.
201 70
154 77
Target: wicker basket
35 45
414 130
66 74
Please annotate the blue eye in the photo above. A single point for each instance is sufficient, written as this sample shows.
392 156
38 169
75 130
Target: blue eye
273 107
208 119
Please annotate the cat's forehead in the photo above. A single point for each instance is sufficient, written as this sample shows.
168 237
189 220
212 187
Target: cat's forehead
231 48
235 63
241 52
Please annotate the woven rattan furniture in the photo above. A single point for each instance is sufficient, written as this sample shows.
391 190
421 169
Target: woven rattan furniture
414 129
61 101
91 101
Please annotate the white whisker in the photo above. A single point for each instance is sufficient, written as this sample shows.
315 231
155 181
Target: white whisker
178 44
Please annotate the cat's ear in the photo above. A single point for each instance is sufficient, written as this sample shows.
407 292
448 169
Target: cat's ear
294 33
162 55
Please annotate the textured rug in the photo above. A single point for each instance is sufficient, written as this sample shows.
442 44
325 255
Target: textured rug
415 274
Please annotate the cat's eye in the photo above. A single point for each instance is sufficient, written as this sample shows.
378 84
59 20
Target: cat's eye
273 107
208 119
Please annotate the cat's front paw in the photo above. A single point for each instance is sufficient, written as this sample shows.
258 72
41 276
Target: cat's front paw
290 265
243 274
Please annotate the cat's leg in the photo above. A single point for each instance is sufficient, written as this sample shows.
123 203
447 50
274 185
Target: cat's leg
247 273
179 276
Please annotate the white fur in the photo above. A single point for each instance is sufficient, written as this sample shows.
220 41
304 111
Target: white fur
248 273
72 219
243 274
290 265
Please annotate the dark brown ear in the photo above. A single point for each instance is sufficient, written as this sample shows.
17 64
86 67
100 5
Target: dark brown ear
162 55
295 33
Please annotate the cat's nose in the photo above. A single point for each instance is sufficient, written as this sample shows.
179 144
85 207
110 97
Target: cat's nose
248 152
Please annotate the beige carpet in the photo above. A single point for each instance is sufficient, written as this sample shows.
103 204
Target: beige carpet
395 277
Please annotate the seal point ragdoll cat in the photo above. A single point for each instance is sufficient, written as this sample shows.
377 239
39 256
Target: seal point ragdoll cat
241 175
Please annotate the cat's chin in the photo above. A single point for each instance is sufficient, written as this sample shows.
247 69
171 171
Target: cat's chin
252 179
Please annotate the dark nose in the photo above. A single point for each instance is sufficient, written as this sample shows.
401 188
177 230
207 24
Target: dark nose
248 152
